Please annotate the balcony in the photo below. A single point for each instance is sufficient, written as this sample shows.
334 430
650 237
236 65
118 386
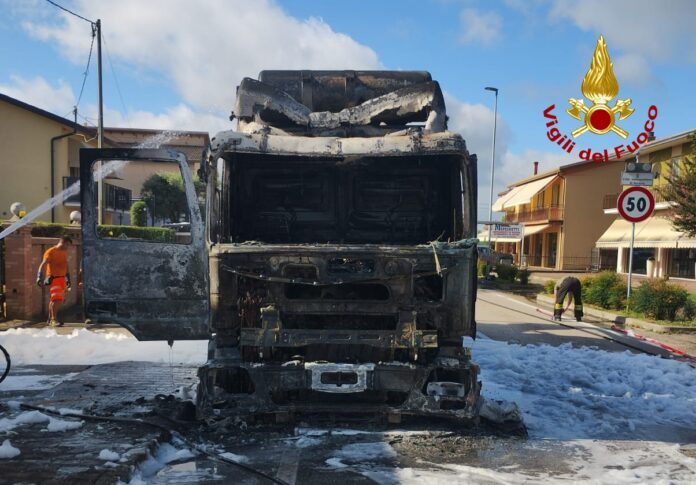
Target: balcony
115 198
541 214
610 199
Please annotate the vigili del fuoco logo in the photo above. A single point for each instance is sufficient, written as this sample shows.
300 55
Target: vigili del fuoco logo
600 87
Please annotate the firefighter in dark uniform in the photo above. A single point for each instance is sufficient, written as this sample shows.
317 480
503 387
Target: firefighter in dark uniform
568 286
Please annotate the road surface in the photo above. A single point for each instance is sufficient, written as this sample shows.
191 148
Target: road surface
598 411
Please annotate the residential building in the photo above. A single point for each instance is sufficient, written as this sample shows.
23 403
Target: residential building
39 157
133 175
562 214
659 249
38 151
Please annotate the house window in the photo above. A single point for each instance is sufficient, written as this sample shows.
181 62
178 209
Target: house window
540 199
640 259
555 195
682 263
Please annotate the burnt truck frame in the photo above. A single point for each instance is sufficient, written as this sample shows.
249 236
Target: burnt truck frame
336 271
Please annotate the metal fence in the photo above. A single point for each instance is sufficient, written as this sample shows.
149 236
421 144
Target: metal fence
574 263
116 198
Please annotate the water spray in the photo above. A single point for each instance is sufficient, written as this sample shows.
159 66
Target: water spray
108 168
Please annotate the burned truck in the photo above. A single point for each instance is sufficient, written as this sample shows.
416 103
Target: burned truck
336 268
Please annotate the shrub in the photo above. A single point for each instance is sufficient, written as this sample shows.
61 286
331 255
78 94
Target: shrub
549 286
616 299
523 276
138 213
689 310
604 289
160 234
586 283
49 230
658 299
506 272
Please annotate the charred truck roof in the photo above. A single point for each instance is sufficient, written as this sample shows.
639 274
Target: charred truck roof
343 263
340 225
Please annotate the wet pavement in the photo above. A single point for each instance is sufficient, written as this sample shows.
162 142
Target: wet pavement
302 453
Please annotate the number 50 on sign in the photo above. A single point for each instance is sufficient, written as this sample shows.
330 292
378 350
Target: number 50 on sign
636 204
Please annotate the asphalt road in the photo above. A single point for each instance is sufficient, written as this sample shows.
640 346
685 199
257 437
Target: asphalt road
510 318
302 453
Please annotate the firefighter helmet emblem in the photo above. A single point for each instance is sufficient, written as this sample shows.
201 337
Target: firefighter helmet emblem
600 87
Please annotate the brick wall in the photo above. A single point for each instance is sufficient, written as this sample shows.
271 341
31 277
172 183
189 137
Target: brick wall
24 299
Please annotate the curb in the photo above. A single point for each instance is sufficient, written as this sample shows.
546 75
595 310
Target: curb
620 319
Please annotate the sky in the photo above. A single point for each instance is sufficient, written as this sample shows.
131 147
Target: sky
175 64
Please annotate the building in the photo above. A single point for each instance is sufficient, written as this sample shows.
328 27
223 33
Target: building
660 250
562 214
132 176
39 153
39 158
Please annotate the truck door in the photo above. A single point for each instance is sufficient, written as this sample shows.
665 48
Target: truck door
145 269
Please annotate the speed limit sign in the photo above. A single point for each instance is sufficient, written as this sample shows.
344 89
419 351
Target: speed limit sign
636 204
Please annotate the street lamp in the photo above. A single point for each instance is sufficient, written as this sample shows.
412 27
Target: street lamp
490 204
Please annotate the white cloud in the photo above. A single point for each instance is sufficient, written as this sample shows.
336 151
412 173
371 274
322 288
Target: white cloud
58 99
480 27
658 30
179 117
206 47
475 123
633 69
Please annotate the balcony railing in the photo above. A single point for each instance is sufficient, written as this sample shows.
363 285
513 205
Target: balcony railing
535 215
610 199
115 198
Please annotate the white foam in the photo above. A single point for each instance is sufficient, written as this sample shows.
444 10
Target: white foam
8 451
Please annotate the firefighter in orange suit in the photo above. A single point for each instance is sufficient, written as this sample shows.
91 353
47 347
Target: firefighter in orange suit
55 262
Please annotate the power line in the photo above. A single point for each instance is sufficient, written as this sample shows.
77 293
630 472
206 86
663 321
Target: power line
89 58
118 88
69 11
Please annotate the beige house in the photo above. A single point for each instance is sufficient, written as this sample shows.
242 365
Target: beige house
659 249
562 214
39 156
132 176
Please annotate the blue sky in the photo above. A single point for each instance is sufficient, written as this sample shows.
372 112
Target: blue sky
177 62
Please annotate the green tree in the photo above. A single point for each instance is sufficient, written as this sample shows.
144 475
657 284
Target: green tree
164 195
681 189
138 213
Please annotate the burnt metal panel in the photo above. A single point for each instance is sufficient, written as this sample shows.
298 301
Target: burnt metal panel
336 90
159 291
260 102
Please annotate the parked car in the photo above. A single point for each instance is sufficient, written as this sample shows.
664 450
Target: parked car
494 258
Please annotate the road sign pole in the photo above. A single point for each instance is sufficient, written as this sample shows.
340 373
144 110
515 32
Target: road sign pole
630 265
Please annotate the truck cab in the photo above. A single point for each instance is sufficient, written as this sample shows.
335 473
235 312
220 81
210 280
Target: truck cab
336 268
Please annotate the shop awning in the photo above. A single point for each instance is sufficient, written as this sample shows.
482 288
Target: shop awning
498 204
529 230
522 194
656 232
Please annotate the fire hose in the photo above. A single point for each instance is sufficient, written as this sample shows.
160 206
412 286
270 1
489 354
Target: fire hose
8 362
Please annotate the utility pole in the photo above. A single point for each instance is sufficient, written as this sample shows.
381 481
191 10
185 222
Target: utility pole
490 201
100 123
